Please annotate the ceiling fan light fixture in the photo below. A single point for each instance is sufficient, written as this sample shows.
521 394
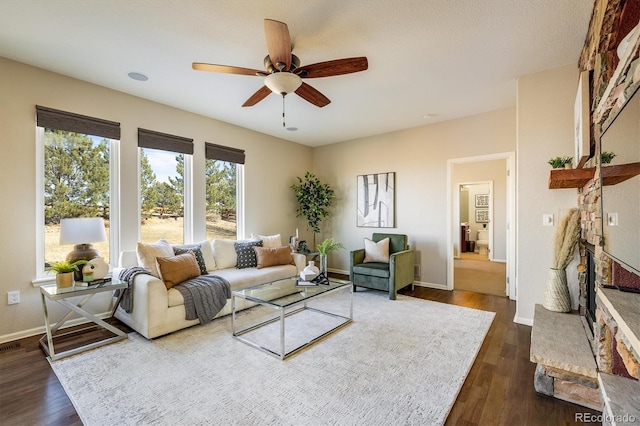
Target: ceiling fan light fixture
282 83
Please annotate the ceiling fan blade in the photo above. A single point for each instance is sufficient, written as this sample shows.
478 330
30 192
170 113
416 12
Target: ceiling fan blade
310 94
262 93
335 67
226 69
278 43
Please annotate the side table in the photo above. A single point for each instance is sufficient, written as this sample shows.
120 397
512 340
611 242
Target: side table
61 296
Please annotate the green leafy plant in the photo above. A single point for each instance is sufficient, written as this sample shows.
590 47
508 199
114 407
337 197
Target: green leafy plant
606 157
559 162
314 198
65 266
329 245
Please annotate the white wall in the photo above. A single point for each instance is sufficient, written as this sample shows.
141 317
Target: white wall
545 130
419 158
272 165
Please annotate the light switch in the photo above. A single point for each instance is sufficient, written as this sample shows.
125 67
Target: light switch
612 219
547 220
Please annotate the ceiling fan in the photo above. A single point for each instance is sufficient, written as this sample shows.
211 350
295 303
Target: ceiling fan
283 73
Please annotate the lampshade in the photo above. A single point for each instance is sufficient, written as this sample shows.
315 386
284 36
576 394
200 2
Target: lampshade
282 83
82 230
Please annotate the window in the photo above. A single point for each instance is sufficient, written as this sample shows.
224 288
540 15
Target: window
76 160
224 190
165 181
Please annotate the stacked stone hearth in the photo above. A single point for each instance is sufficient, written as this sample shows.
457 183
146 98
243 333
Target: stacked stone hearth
601 369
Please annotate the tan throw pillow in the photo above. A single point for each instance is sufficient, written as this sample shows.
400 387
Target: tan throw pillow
272 256
177 269
147 254
268 240
376 252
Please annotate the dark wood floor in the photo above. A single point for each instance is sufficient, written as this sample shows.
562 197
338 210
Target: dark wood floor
498 390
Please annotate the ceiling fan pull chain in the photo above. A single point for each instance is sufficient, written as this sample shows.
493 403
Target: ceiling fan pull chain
283 125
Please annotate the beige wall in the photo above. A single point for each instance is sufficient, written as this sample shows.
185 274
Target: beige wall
419 158
271 167
545 130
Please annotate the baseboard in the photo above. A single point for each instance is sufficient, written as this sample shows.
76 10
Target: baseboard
338 271
42 330
499 260
430 285
523 321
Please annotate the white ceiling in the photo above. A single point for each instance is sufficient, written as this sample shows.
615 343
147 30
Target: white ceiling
448 59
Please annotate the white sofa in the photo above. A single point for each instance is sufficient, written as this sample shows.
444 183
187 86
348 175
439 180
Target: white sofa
158 311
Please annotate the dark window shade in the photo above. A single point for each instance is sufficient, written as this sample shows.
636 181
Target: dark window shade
69 122
157 140
224 153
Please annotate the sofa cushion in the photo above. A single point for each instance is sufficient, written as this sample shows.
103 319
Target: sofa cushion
177 269
224 252
376 252
197 251
249 277
147 254
246 254
268 240
272 256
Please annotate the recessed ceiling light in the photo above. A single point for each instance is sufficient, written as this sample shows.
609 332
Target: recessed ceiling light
292 129
138 76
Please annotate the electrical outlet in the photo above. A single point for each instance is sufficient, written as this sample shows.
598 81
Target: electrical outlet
416 271
13 297
547 219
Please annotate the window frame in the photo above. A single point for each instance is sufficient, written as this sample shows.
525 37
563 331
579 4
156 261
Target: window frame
42 276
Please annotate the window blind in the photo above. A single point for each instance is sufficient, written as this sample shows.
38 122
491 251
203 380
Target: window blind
224 153
67 121
163 141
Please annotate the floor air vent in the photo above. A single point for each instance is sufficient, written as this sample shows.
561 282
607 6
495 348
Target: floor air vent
9 346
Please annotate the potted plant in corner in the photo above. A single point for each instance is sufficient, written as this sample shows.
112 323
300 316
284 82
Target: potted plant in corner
560 162
606 157
314 198
64 271
324 248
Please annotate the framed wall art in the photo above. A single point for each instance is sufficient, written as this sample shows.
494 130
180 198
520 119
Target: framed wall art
482 200
582 122
376 195
482 216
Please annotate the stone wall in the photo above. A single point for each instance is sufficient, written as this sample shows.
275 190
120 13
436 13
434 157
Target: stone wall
614 81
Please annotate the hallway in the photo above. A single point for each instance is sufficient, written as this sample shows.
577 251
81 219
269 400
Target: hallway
474 272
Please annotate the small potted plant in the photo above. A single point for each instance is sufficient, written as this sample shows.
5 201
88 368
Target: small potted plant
560 162
324 248
606 157
64 271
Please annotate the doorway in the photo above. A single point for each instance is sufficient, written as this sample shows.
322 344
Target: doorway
486 185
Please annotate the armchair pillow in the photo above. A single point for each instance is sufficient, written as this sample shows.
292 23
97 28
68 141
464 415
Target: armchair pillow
376 252
176 269
272 256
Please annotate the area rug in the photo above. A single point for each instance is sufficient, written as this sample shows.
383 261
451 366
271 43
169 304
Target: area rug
399 362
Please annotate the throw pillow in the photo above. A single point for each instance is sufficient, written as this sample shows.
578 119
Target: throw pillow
177 269
246 254
268 240
224 252
147 254
207 254
376 252
272 256
197 251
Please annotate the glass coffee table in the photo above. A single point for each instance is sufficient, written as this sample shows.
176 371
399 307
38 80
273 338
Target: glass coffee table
293 305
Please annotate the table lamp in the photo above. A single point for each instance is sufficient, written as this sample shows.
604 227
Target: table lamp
82 232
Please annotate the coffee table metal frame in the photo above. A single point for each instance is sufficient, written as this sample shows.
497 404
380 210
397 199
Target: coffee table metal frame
301 304
60 295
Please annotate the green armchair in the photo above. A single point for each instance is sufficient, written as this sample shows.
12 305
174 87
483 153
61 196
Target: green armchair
392 276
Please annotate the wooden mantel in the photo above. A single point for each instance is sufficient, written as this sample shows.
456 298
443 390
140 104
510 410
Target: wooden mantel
577 178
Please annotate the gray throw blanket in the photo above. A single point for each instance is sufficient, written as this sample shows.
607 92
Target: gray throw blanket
204 296
127 275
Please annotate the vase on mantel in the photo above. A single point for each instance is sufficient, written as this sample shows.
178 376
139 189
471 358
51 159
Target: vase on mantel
323 264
